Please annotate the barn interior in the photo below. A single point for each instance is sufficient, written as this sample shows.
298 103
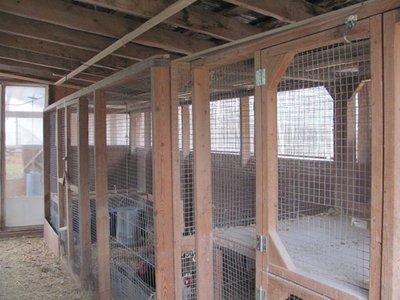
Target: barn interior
186 149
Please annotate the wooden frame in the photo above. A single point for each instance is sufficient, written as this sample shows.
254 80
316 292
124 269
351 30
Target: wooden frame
2 158
391 196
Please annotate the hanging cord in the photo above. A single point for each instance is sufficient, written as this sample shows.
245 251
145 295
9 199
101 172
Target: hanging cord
350 22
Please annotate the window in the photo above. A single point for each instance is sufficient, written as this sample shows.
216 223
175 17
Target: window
305 124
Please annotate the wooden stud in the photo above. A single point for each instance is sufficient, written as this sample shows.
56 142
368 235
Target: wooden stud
202 184
176 182
84 199
377 162
391 203
162 182
102 216
245 129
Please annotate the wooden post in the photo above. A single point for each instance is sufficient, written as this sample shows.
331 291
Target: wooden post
46 164
377 163
391 204
245 129
202 184
83 186
3 158
102 216
162 182
275 68
68 192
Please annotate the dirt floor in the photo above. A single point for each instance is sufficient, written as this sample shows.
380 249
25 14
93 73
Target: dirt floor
28 270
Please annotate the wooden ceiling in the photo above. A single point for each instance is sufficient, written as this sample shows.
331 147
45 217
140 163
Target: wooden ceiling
46 40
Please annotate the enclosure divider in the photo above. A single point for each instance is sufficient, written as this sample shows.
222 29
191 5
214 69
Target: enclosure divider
102 216
244 130
391 217
275 67
68 195
3 158
176 191
46 165
261 229
83 187
377 162
202 183
60 169
162 182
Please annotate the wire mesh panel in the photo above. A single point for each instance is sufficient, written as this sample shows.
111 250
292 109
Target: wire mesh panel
233 179
129 154
53 170
324 159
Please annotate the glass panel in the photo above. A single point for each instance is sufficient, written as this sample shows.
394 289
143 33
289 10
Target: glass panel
24 162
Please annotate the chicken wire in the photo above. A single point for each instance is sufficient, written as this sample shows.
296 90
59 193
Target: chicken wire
233 179
324 162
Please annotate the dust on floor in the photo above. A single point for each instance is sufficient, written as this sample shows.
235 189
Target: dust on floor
29 270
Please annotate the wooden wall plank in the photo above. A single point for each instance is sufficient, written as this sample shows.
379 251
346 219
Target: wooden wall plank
162 182
377 140
84 200
102 216
202 183
391 203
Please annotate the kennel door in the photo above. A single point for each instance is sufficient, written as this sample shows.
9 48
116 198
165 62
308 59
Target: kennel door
316 152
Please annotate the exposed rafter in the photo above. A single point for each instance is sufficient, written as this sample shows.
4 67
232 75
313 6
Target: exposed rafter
72 38
145 27
285 10
78 18
192 18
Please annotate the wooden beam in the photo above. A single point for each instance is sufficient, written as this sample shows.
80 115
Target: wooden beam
391 203
84 199
245 48
377 159
191 18
28 79
42 31
202 184
145 27
75 17
162 182
56 50
102 216
285 10
41 72
115 79
37 59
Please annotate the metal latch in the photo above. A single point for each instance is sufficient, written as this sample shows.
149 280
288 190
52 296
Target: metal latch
350 22
260 294
261 243
260 77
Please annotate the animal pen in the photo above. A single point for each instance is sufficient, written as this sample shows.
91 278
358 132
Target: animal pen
249 171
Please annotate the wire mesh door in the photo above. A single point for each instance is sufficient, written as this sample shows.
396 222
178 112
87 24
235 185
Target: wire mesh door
323 156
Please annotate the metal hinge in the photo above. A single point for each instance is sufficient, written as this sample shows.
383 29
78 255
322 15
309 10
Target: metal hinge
261 243
260 77
260 294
